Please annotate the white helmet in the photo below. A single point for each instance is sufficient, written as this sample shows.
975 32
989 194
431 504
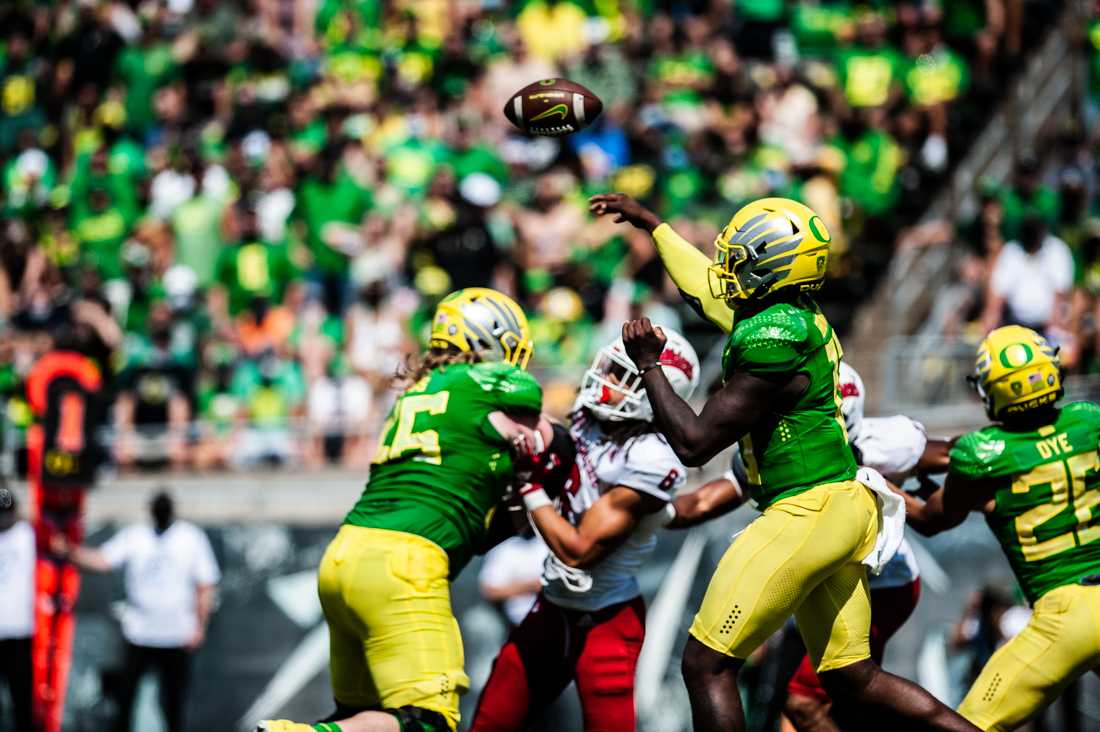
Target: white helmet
612 373
852 395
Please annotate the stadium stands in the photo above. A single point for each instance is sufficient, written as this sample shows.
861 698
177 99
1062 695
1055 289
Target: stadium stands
254 206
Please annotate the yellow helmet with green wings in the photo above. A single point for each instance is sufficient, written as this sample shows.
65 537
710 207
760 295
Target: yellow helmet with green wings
477 319
1016 371
769 244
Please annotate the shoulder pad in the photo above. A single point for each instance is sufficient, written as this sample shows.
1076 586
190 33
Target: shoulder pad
514 385
973 455
773 341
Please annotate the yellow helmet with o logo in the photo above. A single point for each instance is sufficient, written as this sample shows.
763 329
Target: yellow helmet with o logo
1016 371
484 321
769 244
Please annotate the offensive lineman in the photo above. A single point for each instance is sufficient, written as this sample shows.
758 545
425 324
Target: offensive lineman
588 624
781 400
442 467
1034 472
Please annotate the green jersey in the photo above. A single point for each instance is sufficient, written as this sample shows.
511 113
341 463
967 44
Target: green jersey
1046 510
442 467
795 450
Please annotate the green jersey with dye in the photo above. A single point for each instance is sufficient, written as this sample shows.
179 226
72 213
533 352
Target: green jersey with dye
1046 510
442 468
806 445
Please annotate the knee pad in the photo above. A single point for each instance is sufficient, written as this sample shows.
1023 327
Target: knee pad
418 719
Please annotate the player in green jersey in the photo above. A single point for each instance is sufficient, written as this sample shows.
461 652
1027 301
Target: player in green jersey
1035 473
444 462
781 400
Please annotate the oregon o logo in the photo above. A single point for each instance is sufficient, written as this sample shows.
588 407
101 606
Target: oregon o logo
1015 355
817 228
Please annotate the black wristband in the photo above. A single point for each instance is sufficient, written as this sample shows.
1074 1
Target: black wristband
646 369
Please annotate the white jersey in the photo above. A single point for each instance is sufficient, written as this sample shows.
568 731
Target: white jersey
893 446
648 465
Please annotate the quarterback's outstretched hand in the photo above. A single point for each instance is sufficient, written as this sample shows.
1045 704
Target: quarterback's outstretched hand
626 209
644 343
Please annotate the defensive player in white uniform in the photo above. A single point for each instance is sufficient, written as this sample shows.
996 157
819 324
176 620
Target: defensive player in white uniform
897 447
588 623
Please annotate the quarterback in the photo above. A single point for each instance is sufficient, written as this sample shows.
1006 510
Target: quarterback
781 401
1035 473
895 446
588 623
443 464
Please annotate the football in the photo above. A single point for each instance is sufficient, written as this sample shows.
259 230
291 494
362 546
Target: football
553 107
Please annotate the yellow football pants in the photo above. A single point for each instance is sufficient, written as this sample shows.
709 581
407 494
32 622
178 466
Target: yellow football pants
392 637
801 556
1060 642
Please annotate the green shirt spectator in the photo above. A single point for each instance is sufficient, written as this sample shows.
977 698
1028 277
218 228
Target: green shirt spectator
682 76
412 162
868 75
101 224
143 69
284 375
1026 196
196 228
254 269
870 174
20 96
818 26
934 78
322 203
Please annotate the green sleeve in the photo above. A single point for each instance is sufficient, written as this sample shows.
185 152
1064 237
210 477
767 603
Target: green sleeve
969 457
511 387
1086 411
775 345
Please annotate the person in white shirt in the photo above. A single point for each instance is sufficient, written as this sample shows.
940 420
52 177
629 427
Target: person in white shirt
17 556
170 574
1031 279
511 575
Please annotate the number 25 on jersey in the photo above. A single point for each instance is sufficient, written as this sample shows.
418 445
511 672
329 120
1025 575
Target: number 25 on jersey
399 442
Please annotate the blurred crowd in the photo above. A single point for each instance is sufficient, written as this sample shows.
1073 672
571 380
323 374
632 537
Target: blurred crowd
1031 254
245 210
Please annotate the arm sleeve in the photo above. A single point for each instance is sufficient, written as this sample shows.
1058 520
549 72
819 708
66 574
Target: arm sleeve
1063 272
648 465
206 566
116 549
687 266
999 280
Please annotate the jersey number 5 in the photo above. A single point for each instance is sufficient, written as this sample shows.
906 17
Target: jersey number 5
1069 491
403 439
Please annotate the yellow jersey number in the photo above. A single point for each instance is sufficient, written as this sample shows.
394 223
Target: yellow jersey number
1068 490
403 440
